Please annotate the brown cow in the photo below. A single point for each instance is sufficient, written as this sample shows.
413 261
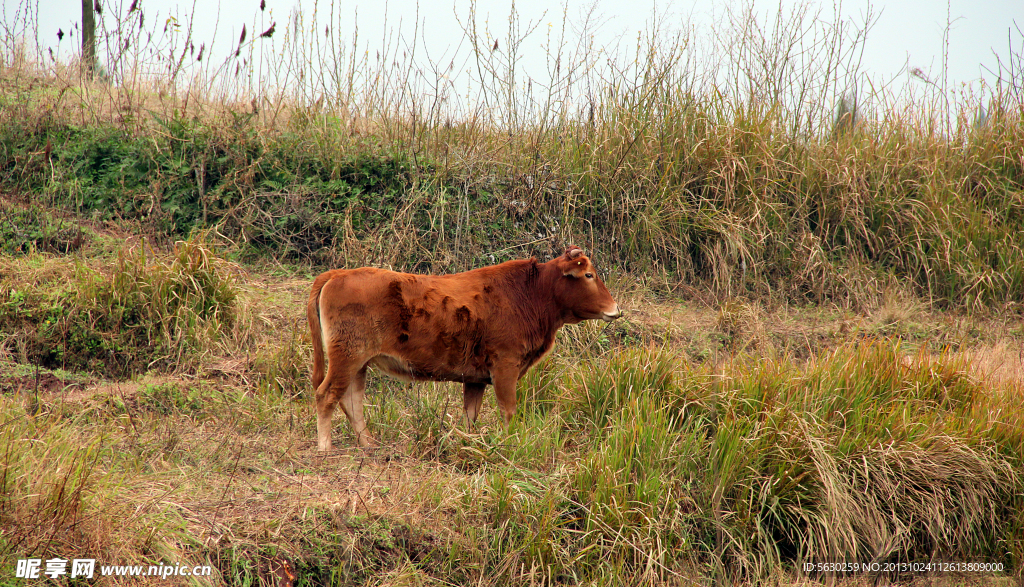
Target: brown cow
489 325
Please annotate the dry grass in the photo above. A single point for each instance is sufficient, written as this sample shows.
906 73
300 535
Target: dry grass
224 467
1002 361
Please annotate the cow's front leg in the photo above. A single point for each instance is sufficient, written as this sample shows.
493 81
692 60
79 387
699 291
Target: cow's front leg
505 378
472 399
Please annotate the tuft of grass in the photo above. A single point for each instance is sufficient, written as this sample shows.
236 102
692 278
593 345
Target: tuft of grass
136 313
32 228
861 454
62 487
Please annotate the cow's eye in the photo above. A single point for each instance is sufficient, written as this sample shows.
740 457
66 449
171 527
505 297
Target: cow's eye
590 275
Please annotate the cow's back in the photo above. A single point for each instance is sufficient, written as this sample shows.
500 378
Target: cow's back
447 327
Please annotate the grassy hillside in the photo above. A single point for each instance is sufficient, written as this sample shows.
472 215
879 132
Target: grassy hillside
725 203
820 359
748 176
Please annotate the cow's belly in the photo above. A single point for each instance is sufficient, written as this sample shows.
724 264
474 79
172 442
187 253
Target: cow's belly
406 371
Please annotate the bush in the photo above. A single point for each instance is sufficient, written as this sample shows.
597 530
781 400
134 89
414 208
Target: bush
140 313
33 228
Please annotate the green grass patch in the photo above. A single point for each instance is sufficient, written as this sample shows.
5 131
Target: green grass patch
638 467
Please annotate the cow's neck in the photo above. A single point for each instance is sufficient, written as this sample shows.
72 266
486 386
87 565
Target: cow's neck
541 317
547 315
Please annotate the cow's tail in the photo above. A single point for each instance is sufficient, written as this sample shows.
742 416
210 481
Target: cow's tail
315 331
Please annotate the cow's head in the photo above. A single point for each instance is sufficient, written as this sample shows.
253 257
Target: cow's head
580 292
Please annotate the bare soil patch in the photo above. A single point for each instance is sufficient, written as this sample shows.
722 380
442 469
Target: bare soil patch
43 382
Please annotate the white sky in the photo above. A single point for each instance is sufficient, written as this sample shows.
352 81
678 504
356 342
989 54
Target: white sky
907 33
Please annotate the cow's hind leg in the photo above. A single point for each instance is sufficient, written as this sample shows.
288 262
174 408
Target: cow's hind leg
334 385
472 399
343 384
352 404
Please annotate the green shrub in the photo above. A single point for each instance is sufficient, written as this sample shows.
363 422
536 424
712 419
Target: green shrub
141 313
33 228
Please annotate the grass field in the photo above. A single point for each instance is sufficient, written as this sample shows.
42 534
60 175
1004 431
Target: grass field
694 443
820 359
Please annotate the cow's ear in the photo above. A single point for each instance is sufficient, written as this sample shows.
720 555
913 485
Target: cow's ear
572 252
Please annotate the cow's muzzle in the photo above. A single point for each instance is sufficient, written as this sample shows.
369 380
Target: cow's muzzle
613 315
